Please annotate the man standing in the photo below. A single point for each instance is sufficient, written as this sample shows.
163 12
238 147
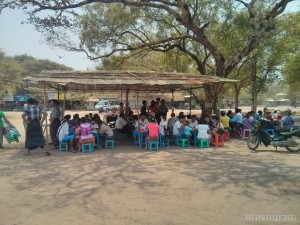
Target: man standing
34 135
162 110
2 120
54 120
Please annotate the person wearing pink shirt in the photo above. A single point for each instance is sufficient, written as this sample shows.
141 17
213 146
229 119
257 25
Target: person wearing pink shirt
153 131
85 133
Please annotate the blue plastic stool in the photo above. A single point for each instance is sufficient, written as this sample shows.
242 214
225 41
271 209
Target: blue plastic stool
88 147
63 146
271 131
109 143
183 142
204 143
177 138
142 137
153 145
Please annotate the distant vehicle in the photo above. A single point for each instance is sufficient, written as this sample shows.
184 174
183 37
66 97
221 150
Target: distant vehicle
105 105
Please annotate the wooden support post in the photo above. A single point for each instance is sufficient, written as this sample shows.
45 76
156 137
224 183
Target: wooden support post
137 103
45 105
64 106
121 95
172 102
126 99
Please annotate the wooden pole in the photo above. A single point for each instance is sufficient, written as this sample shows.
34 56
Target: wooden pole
126 99
137 103
64 106
45 105
172 102
121 95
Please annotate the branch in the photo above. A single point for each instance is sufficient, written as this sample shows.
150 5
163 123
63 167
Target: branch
131 48
262 27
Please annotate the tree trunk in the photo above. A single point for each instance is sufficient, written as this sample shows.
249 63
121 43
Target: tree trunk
254 86
236 96
212 99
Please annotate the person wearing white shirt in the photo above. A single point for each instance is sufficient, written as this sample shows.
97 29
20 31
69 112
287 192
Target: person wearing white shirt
194 121
142 122
122 125
178 128
64 135
203 131
105 129
163 125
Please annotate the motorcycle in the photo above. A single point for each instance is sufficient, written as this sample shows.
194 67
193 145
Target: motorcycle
287 137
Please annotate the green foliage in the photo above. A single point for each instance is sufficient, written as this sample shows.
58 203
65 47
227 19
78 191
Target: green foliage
292 73
14 69
10 72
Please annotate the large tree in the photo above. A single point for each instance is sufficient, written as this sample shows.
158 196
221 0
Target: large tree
188 25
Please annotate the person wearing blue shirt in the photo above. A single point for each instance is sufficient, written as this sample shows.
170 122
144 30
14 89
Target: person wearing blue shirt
289 120
238 118
237 123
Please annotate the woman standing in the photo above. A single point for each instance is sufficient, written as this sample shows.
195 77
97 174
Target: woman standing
33 115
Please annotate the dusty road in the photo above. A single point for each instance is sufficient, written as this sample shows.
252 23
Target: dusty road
127 186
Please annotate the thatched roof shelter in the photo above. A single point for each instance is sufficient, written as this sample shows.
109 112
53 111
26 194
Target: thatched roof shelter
124 80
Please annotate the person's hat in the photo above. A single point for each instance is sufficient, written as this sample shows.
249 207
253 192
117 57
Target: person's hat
279 116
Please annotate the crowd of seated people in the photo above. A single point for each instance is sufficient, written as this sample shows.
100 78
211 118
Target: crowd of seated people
153 121
78 131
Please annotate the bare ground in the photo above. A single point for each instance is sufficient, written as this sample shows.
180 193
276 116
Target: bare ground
127 185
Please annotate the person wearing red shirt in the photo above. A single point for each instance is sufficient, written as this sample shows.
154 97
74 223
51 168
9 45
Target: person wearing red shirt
153 131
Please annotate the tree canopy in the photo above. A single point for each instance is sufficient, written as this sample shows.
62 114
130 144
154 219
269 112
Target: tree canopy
205 30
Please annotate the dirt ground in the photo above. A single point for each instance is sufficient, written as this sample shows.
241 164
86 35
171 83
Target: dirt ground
128 185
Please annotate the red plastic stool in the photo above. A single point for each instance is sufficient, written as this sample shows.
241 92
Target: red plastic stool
217 140
226 135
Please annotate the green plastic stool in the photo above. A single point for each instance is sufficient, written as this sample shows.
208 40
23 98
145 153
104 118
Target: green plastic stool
109 143
87 147
153 145
63 146
204 143
183 142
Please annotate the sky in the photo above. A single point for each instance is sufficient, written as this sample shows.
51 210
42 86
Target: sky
17 38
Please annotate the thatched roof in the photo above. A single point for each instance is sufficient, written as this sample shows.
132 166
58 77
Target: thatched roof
124 80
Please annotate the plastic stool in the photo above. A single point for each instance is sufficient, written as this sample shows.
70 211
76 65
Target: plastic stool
135 137
63 146
109 143
204 143
245 131
271 131
87 147
217 140
183 142
226 135
166 142
153 145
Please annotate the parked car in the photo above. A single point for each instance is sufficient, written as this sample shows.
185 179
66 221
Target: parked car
105 105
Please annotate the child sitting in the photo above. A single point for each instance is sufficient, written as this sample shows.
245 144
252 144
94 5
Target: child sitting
279 122
247 122
187 130
95 126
